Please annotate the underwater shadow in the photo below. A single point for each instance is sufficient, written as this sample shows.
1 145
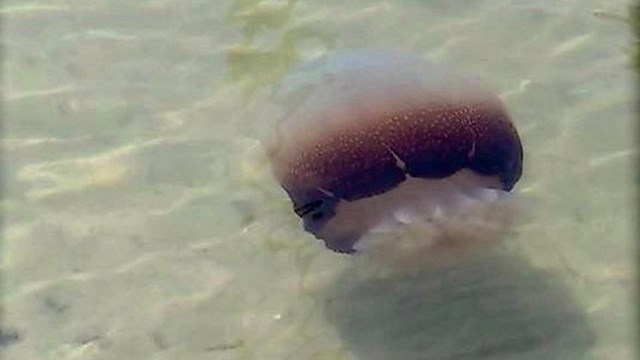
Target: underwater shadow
492 306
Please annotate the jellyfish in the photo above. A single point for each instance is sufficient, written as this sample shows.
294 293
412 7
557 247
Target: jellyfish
389 155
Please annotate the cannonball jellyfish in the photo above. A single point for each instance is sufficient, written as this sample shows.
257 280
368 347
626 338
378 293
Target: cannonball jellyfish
388 154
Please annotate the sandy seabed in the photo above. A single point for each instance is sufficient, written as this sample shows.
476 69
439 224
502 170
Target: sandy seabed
141 221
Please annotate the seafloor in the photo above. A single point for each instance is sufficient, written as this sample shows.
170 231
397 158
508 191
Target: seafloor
140 219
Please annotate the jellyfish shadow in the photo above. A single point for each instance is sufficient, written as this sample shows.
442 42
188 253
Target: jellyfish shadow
493 306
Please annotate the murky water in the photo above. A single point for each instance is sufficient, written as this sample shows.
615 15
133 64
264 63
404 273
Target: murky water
141 219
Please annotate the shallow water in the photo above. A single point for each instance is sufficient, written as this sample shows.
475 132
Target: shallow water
141 219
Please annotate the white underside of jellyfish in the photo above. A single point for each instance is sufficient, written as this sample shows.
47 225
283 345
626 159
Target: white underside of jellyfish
424 220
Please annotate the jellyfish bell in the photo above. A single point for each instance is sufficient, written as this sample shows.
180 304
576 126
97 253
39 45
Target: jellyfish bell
390 156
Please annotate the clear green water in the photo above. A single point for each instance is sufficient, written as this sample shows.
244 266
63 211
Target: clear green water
141 220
